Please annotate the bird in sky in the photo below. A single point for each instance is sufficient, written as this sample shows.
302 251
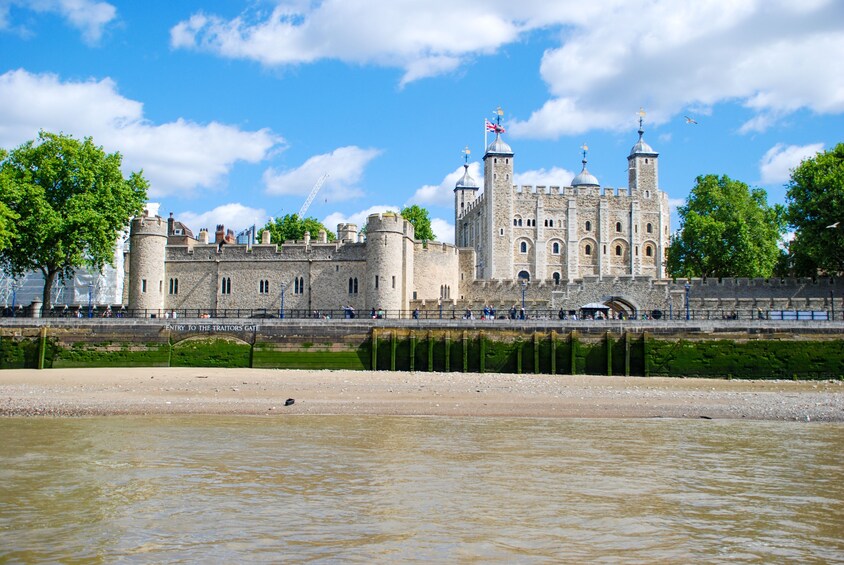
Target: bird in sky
690 120
833 226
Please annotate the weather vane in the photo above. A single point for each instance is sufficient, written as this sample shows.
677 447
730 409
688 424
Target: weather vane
641 114
466 154
585 149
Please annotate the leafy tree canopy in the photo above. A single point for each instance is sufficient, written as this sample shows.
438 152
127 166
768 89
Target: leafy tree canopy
7 217
71 201
418 218
292 227
727 229
815 200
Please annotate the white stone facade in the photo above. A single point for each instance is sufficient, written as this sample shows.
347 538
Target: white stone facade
550 236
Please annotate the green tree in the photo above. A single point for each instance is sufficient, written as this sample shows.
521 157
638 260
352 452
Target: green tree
418 218
72 202
292 227
815 200
7 217
727 229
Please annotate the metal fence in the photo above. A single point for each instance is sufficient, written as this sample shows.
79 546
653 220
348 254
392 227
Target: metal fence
435 313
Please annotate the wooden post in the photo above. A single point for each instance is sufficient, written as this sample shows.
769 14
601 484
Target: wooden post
430 350
42 347
536 342
553 352
573 341
519 346
393 350
447 352
626 354
608 342
412 350
482 365
465 352
374 349
645 354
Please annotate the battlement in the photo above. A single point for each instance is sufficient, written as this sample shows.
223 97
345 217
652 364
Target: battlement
389 222
149 225
525 191
291 251
432 247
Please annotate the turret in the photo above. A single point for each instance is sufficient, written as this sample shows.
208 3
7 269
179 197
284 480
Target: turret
642 170
347 233
495 253
465 193
389 262
147 244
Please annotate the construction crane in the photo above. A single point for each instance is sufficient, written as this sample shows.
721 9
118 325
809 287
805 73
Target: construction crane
312 195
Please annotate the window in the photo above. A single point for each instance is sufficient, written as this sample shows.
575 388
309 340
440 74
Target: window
520 222
556 277
618 251
618 227
588 227
376 282
143 285
353 285
524 275
515 221
649 251
523 247
649 228
550 223
263 287
174 286
298 285
394 281
588 249
555 248
226 285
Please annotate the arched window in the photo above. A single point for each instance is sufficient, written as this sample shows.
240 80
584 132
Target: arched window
649 251
588 249
226 285
555 248
264 287
588 226
174 286
618 227
524 275
298 285
649 228
618 250
550 223
520 222
556 277
515 221
523 247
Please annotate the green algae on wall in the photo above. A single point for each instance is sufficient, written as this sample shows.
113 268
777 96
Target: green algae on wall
211 352
110 354
327 356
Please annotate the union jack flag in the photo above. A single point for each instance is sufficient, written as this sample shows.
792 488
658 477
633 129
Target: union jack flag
494 127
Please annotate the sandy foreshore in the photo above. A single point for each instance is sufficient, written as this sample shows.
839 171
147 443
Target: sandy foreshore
79 392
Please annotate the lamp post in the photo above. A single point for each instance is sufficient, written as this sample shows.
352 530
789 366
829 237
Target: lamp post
15 295
90 300
281 308
440 303
832 304
524 288
687 287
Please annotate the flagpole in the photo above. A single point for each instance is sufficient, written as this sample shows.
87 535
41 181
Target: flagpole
486 131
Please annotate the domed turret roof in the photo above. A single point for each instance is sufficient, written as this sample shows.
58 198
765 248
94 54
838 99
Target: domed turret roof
642 148
499 147
466 181
585 178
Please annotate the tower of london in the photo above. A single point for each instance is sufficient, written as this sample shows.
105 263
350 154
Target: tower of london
541 243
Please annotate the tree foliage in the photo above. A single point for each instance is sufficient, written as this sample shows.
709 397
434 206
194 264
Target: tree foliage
418 218
815 200
7 217
71 201
727 229
292 227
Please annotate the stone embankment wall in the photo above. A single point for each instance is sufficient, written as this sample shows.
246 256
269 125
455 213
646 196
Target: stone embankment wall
723 349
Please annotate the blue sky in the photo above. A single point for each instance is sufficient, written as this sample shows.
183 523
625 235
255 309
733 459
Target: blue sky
234 110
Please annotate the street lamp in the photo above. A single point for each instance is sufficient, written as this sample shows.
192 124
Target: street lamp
90 300
281 309
832 304
15 295
440 302
524 288
687 287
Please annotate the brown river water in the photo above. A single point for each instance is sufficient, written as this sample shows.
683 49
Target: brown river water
186 489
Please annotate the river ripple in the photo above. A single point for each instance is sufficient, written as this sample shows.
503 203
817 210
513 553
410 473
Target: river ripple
384 489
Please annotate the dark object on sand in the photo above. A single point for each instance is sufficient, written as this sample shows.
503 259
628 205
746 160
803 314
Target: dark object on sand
289 401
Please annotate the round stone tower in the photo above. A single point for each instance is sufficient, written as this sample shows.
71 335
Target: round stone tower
389 262
147 242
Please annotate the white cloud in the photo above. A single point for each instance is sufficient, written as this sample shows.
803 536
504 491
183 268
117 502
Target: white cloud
443 194
555 176
344 167
443 230
233 215
613 56
776 165
176 157
357 218
89 17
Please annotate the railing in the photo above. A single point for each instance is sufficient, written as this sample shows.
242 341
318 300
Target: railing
490 314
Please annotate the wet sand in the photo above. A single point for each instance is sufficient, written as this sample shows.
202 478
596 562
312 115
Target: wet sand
79 392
